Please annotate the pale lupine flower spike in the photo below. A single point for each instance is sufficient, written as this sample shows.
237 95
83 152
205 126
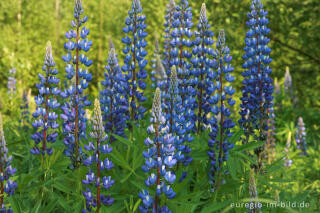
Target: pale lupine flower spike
300 137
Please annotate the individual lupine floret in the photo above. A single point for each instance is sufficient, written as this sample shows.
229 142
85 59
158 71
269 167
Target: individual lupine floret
254 206
169 19
45 122
301 136
12 82
257 87
74 120
287 160
113 97
176 121
159 160
25 113
271 145
7 185
202 68
96 163
135 62
219 142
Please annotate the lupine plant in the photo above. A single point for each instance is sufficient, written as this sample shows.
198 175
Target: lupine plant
73 109
113 98
135 62
202 68
176 120
219 142
12 82
158 74
45 122
288 81
287 149
159 160
271 145
301 136
97 165
25 113
257 87
167 46
181 55
7 185
254 206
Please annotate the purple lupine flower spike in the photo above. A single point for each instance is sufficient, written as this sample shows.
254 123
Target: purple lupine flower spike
6 171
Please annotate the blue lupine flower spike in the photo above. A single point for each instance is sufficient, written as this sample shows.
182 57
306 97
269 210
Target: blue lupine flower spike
257 87
202 68
73 109
159 160
176 121
113 98
301 137
7 185
168 47
181 43
135 62
45 122
222 101
95 162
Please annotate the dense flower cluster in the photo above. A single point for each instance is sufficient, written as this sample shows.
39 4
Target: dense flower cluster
45 121
159 160
74 120
113 98
95 163
222 98
202 67
301 136
7 185
257 87
135 62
